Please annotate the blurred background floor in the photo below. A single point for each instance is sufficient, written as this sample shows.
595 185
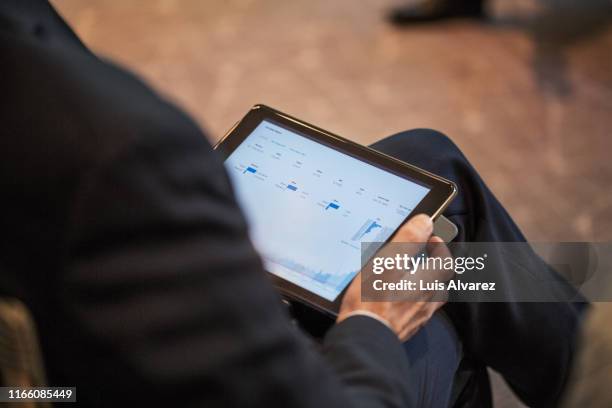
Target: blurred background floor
526 95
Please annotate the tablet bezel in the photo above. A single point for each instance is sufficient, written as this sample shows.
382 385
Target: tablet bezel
441 192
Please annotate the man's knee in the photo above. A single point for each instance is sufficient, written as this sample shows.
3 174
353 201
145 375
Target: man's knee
428 140
419 145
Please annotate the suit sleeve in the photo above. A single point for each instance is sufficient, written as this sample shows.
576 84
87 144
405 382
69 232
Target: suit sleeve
169 304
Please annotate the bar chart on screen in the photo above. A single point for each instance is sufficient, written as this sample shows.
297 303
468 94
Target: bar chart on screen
311 209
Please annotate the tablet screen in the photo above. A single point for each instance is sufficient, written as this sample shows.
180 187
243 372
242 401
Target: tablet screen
310 206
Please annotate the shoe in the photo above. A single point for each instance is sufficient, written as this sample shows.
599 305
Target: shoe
432 10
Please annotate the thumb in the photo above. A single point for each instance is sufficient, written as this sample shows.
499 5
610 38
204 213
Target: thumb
417 229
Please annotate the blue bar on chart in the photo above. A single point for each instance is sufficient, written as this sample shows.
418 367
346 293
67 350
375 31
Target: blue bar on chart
292 187
333 205
250 170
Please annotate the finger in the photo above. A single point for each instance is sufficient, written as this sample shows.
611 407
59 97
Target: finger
437 247
410 330
413 312
434 307
406 334
418 229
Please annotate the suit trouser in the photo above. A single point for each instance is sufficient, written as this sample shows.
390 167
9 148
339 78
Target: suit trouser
530 344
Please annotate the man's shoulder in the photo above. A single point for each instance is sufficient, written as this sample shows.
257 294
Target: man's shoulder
65 107
66 112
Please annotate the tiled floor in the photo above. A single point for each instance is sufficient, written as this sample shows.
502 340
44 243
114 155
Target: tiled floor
527 96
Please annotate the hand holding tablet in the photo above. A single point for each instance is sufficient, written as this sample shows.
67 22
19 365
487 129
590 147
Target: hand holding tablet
403 317
313 199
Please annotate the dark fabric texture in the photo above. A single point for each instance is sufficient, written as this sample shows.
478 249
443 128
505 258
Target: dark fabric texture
435 354
121 234
530 344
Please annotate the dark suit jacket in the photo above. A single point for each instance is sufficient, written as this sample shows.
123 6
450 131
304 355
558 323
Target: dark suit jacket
121 233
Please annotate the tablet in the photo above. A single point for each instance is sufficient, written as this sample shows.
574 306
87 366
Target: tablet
311 199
